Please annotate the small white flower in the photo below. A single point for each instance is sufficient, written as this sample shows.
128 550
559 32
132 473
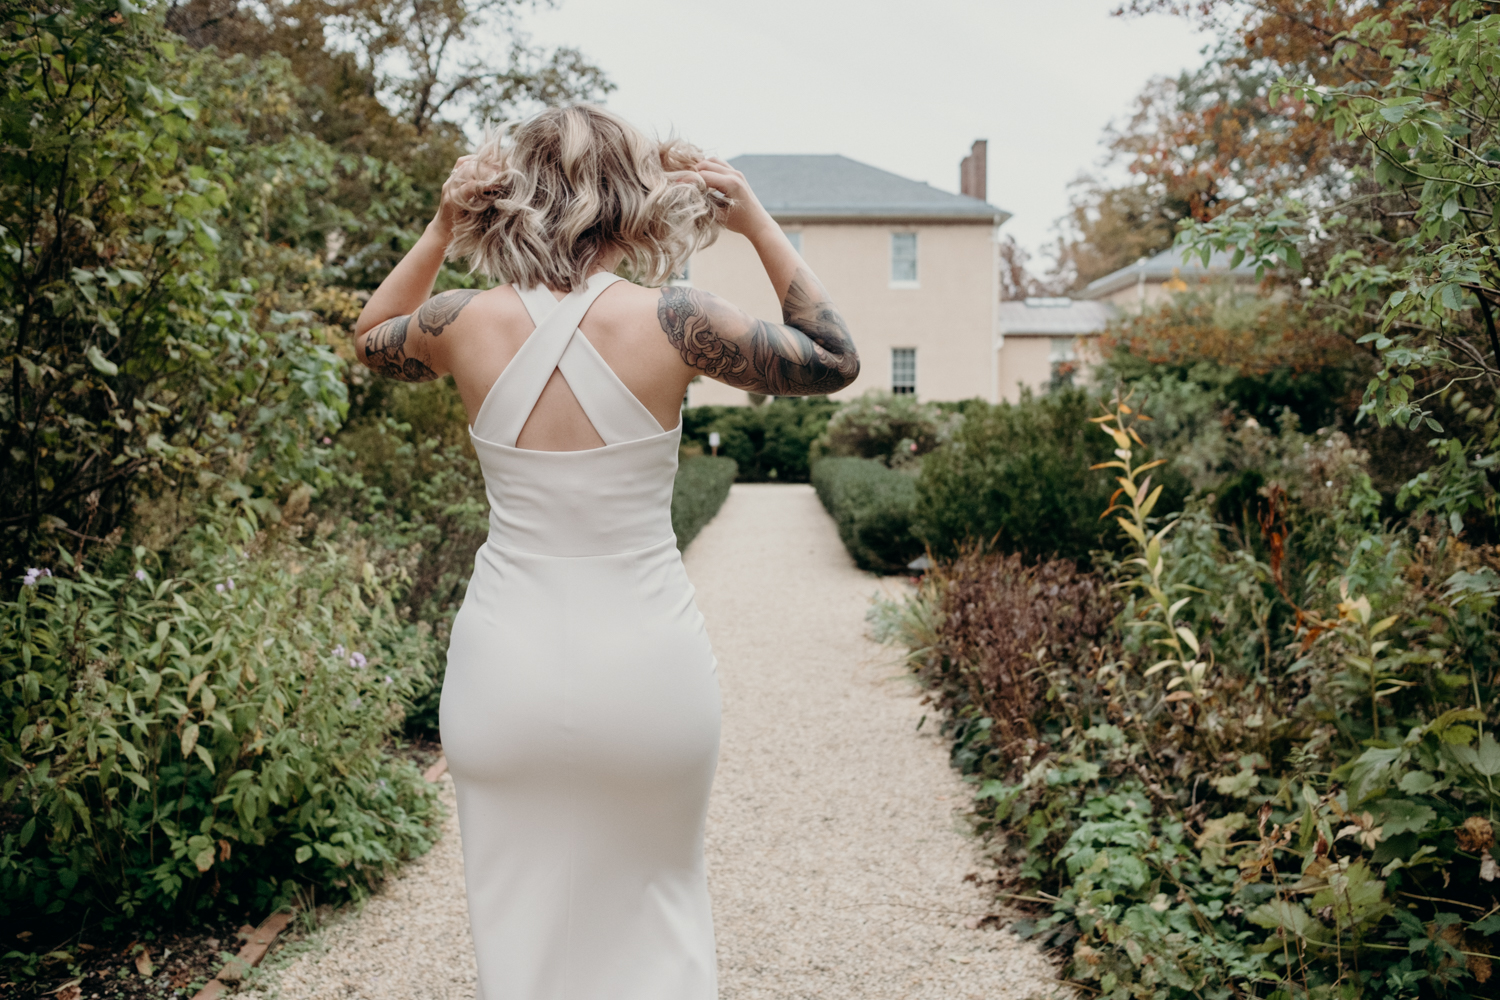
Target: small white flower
1329 483
32 575
339 651
266 643
218 588
388 679
140 575
230 583
357 661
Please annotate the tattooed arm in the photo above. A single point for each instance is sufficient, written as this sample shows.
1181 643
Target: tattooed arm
809 353
405 347
396 333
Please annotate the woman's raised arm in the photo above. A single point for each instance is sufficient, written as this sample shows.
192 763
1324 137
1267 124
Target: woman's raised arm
809 353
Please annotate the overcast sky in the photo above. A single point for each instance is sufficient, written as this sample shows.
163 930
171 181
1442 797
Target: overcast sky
903 86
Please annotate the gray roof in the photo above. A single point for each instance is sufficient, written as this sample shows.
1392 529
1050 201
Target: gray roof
1165 266
1055 317
798 187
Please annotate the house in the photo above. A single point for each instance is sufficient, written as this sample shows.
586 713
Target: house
1047 341
912 268
1151 281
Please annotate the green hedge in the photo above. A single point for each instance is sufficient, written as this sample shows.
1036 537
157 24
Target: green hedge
873 507
699 491
769 442
1018 474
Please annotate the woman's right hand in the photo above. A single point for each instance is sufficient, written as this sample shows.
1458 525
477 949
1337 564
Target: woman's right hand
447 210
744 213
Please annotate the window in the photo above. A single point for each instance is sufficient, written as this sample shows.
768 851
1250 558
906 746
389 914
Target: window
903 260
903 370
796 241
1064 362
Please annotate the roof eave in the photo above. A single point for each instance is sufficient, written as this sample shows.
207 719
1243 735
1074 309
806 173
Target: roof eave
805 215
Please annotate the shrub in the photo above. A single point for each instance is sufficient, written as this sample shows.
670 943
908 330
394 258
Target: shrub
882 425
206 740
1018 474
873 507
700 489
1270 777
767 442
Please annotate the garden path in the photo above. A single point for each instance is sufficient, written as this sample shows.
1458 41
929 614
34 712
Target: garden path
835 853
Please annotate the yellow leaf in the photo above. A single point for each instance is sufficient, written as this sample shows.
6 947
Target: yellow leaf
1382 625
189 739
1188 637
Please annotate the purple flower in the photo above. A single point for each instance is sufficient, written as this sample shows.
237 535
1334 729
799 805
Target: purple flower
357 661
356 703
328 440
388 679
33 575
339 651
230 583
218 588
140 575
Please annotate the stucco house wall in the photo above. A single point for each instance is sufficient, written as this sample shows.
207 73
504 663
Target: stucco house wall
948 316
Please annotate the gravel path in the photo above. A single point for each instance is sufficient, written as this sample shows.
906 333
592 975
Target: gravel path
835 853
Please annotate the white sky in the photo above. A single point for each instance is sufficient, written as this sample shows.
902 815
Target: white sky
902 86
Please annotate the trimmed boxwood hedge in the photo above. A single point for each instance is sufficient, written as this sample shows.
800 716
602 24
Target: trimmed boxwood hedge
699 491
873 507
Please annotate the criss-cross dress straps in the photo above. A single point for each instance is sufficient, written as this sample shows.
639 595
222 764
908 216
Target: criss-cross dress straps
557 345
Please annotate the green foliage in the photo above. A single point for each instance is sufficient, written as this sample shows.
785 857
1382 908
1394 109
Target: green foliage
1018 474
700 489
895 429
873 507
127 357
216 737
1273 774
768 442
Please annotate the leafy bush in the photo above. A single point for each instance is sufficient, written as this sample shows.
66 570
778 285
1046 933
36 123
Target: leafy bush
873 507
1270 776
209 739
700 489
882 425
767 442
142 362
1018 474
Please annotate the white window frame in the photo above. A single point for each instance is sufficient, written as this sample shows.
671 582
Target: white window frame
916 269
904 388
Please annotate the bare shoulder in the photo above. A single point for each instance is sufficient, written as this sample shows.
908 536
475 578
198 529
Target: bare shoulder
467 308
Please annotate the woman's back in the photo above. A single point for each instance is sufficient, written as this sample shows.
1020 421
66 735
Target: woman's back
580 707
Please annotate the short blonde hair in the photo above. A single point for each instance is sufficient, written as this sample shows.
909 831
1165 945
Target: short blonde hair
547 197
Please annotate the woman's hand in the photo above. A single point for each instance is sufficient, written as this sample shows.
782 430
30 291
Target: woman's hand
461 174
744 213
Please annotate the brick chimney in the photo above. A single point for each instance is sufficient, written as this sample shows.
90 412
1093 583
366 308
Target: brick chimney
973 172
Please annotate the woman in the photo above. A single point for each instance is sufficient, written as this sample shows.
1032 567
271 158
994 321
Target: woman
580 714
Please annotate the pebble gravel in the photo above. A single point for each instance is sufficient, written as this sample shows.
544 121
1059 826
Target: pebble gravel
836 847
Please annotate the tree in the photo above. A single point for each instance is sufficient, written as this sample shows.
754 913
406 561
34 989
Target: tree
1404 252
146 323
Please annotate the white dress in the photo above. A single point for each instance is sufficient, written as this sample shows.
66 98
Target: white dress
580 713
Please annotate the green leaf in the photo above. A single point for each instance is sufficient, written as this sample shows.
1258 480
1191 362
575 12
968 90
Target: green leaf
99 361
1450 208
303 853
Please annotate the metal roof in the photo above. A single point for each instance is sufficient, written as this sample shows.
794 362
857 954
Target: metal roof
801 188
1055 317
1167 265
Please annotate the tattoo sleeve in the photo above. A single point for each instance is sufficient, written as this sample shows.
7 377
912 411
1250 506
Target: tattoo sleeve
809 353
400 348
385 353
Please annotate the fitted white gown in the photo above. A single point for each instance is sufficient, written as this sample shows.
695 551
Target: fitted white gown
580 714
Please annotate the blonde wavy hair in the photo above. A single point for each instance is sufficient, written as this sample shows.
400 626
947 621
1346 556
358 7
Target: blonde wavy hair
542 201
